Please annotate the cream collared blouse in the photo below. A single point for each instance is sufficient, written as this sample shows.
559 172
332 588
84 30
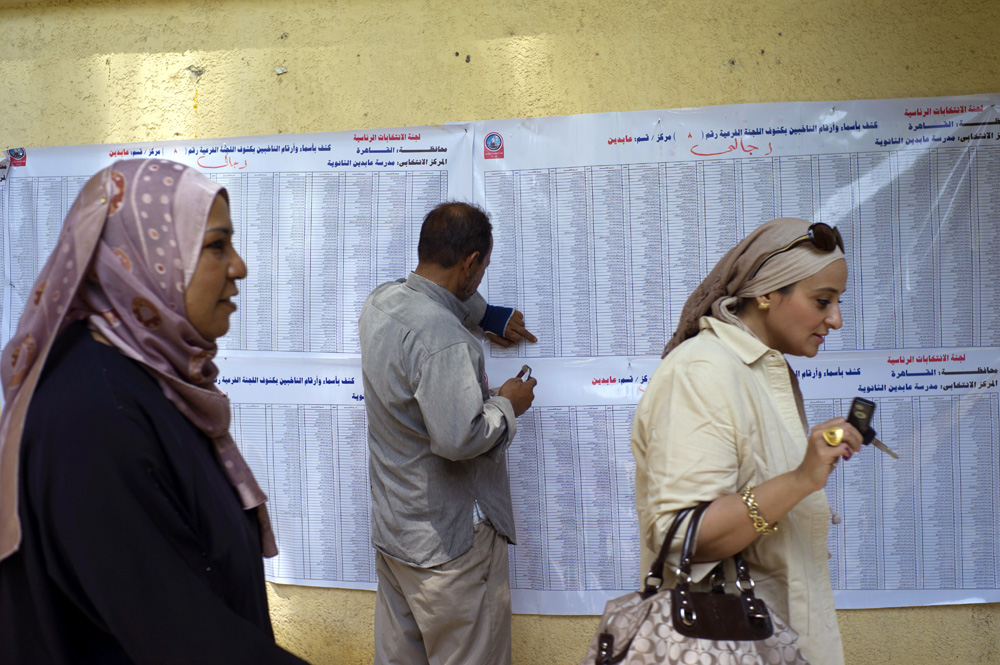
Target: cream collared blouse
719 413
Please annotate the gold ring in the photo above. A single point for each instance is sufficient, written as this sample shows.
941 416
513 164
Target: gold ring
833 436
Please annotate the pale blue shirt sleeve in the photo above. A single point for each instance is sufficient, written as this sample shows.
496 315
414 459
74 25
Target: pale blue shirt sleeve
460 423
477 310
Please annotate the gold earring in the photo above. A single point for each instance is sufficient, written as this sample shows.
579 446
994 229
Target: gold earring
763 305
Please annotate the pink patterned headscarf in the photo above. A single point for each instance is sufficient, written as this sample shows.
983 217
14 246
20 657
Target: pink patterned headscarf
126 254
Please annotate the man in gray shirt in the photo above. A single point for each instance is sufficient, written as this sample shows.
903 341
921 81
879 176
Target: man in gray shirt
441 506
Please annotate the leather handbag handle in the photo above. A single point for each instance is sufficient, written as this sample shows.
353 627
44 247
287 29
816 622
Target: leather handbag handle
656 570
754 611
690 538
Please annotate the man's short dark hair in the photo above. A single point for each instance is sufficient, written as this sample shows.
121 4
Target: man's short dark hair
452 231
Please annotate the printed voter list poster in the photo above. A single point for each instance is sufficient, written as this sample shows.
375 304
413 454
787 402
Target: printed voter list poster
603 224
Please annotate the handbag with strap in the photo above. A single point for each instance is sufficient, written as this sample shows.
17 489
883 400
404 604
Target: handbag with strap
678 625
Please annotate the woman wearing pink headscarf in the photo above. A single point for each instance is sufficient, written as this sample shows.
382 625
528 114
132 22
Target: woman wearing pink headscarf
131 529
722 421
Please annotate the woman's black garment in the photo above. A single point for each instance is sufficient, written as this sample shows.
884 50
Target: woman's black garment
135 548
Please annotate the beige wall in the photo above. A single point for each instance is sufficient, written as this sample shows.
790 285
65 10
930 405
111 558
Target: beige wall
91 71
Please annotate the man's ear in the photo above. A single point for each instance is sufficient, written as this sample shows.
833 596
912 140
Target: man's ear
471 262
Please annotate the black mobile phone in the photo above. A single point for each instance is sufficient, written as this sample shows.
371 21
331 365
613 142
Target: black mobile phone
860 416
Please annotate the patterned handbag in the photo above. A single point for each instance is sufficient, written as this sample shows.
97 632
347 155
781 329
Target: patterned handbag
654 626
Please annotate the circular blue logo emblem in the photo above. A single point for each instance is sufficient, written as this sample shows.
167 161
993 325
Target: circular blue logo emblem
494 142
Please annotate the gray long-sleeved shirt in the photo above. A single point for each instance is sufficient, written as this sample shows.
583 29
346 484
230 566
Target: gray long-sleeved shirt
436 437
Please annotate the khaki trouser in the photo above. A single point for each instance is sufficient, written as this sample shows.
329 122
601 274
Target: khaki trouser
456 613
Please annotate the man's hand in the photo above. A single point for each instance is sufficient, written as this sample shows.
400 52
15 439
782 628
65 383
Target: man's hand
520 393
513 333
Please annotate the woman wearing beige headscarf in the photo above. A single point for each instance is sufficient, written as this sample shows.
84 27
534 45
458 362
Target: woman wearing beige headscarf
722 421
131 528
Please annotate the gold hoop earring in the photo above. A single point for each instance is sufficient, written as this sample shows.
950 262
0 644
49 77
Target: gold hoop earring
763 305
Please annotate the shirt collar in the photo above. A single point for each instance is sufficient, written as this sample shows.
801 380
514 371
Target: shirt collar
748 347
438 294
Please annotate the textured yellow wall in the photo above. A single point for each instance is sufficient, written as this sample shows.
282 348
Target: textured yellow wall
103 71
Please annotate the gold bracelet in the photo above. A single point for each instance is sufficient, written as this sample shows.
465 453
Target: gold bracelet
760 525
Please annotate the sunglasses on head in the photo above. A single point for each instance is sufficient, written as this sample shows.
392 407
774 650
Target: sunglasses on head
825 238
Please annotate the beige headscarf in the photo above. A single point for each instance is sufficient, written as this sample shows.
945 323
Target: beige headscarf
722 289
127 251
